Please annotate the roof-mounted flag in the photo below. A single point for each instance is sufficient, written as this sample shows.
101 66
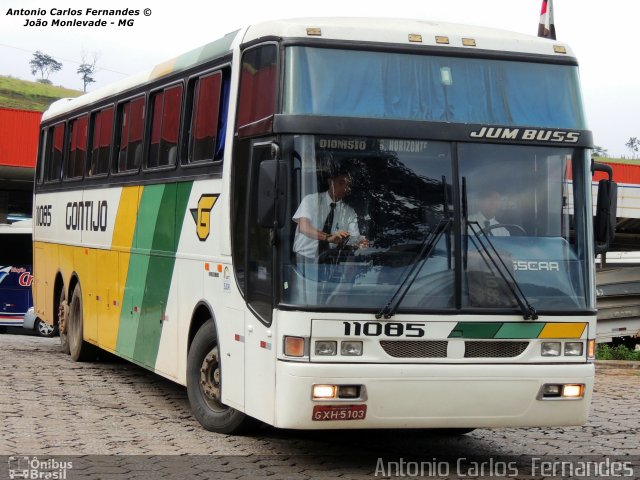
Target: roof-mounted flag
547 28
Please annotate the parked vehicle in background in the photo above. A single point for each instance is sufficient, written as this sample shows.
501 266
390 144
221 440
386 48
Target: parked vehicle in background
16 275
33 322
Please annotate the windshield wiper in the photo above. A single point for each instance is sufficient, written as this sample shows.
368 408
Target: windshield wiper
428 244
528 311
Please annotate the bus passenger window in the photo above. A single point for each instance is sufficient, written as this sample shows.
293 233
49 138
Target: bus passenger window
204 119
56 153
77 148
102 129
131 130
257 98
165 126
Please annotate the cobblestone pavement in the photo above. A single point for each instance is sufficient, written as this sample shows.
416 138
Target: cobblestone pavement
51 406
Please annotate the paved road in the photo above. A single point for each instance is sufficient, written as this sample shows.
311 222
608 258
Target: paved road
52 407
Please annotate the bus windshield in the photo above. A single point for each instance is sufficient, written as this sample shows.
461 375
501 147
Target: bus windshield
351 83
365 209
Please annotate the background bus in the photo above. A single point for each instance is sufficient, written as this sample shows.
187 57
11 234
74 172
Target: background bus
15 272
167 210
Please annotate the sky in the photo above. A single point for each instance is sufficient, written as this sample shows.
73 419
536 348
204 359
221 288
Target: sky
602 35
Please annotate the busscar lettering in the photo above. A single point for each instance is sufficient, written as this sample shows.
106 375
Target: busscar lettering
526 134
88 216
532 266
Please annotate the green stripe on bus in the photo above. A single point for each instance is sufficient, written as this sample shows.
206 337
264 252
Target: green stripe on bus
520 330
147 216
475 330
172 206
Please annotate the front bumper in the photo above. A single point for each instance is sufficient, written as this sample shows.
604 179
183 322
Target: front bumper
434 396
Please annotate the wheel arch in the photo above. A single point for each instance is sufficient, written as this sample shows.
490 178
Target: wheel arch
58 286
201 313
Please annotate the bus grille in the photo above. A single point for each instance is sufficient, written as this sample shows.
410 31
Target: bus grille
415 348
438 348
494 349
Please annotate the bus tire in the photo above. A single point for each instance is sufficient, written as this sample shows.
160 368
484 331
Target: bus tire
203 386
80 350
63 322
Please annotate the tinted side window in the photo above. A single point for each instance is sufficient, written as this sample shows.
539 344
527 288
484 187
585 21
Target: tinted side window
204 118
42 155
77 147
56 153
257 100
165 127
131 121
102 129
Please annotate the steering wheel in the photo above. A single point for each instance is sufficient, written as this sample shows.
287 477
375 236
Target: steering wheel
332 255
512 228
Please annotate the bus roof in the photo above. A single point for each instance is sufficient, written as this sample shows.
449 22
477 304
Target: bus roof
379 30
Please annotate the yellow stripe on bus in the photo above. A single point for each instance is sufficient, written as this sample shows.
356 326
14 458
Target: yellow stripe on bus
563 330
114 267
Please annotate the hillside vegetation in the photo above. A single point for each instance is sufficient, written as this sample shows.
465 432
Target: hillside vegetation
24 95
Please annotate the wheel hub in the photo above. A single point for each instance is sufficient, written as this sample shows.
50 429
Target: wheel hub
210 376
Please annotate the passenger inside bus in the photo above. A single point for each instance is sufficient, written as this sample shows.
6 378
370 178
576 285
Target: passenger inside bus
489 202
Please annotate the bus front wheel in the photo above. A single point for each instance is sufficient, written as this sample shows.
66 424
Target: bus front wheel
80 350
203 386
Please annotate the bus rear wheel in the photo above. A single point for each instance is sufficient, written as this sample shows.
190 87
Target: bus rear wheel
203 386
80 350
63 322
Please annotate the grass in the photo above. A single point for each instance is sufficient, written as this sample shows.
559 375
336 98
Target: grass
605 352
24 95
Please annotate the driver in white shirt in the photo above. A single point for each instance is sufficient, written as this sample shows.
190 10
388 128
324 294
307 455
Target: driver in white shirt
319 228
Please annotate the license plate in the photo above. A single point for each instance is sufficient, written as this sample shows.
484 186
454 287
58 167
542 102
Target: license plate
339 412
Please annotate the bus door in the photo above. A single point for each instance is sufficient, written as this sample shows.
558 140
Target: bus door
260 349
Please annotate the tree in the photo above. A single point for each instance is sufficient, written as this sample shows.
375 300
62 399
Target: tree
86 69
45 64
598 151
634 145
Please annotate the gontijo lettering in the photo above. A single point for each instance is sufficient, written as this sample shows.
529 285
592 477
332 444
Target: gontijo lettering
86 216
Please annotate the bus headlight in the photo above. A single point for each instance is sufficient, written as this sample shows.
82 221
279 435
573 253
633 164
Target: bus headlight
551 349
326 347
573 349
351 348
572 391
320 392
561 391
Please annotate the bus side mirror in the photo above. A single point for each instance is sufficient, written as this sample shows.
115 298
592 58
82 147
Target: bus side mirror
272 193
604 224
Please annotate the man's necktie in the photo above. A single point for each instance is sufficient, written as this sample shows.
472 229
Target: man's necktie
324 245
329 221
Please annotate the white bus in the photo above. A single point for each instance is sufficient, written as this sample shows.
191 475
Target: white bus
182 223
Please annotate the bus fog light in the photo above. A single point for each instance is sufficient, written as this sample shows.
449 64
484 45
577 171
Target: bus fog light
550 390
572 391
326 348
351 348
348 391
551 349
573 349
324 391
294 346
